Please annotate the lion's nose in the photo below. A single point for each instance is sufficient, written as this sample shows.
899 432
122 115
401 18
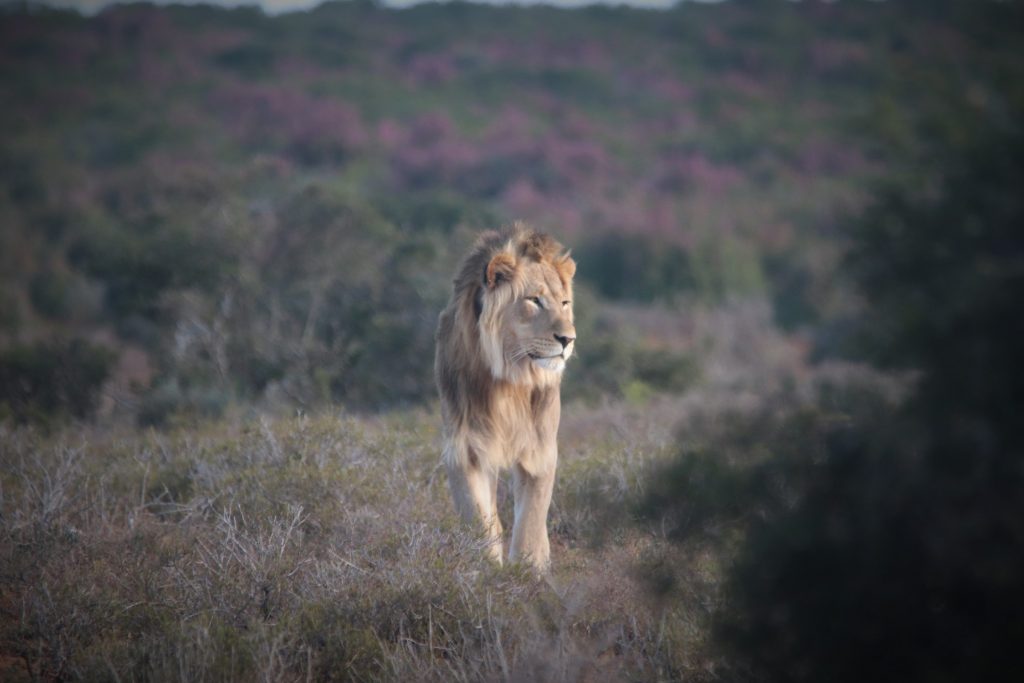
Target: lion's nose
564 340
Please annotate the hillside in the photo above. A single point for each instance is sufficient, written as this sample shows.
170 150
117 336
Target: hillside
217 206
325 546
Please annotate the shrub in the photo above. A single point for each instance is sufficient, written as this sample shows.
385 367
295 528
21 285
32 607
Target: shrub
52 380
634 267
168 402
889 548
48 292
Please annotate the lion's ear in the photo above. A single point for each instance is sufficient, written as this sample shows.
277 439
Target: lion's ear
567 267
500 269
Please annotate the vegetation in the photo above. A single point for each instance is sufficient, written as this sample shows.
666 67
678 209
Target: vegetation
884 547
910 533
325 546
790 447
267 209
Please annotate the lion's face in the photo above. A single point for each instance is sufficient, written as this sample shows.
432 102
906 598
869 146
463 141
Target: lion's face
539 329
527 319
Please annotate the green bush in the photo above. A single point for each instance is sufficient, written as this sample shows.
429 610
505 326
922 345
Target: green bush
634 267
52 380
611 366
168 402
138 265
48 292
887 545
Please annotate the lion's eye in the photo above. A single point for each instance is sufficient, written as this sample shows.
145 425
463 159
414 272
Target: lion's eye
535 300
565 304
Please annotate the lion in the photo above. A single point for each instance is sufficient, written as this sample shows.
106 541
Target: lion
502 343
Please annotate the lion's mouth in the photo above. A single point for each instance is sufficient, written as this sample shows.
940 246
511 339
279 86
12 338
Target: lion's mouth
535 356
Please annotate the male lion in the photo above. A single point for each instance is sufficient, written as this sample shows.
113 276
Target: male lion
502 343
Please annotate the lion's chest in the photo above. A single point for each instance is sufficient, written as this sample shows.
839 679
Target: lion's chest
523 431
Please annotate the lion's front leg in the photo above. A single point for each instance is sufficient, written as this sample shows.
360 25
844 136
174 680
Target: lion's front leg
532 500
474 490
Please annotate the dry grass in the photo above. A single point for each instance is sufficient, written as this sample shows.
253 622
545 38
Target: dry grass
326 548
312 548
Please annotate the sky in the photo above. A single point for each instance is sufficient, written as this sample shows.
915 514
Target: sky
278 6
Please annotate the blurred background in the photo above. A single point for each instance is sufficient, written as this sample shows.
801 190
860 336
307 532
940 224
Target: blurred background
206 206
798 229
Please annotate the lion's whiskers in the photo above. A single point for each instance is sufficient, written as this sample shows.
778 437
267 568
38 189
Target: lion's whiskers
519 354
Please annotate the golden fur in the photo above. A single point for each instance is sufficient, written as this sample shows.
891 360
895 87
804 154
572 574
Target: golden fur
502 343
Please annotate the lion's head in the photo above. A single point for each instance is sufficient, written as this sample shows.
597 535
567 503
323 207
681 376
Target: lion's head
514 294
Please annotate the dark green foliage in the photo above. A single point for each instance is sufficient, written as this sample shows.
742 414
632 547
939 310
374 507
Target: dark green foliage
895 551
247 59
750 472
52 379
169 401
665 370
49 293
9 313
438 212
944 273
613 366
634 267
886 570
603 369
792 298
354 302
139 263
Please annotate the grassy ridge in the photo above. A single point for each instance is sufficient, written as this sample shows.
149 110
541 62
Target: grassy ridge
325 546
312 547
